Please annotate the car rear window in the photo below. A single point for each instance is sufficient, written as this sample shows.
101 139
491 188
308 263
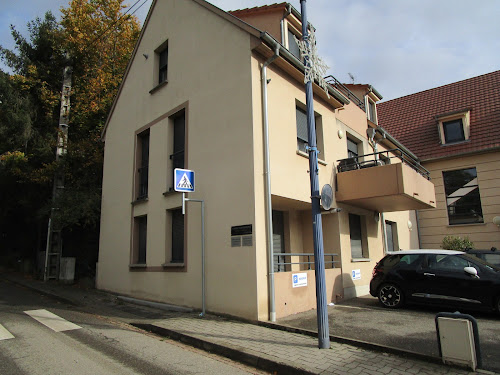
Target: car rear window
492 258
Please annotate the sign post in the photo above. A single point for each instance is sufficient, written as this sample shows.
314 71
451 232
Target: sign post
184 183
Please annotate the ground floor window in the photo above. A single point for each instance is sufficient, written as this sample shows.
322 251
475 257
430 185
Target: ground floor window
391 235
463 200
357 232
177 236
140 239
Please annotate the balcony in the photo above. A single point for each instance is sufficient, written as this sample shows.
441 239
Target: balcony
384 181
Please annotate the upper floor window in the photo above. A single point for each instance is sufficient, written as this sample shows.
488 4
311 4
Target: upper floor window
371 111
293 47
453 128
143 164
179 139
163 65
303 132
352 148
462 196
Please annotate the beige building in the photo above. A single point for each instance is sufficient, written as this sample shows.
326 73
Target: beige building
455 130
216 93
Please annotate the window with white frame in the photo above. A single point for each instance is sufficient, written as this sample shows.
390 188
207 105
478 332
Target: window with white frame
293 47
371 111
454 128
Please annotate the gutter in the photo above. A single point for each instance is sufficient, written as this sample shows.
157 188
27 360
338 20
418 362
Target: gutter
270 41
395 142
267 182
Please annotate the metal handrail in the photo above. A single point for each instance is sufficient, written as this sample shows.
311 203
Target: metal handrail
309 262
355 162
350 95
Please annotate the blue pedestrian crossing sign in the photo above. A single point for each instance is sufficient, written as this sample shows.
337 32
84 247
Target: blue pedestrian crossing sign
183 180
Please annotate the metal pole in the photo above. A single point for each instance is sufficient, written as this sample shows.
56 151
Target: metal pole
319 261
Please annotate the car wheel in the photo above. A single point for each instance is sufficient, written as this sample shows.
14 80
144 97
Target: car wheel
391 296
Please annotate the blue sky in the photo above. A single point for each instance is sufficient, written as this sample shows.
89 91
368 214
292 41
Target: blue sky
398 46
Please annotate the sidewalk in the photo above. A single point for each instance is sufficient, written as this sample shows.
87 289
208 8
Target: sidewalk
274 350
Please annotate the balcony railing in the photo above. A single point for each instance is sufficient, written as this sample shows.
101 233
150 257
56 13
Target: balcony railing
331 80
280 260
381 158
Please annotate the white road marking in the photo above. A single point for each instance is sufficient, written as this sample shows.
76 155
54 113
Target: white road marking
4 334
54 322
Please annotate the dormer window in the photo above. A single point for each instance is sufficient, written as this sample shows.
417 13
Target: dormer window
371 111
454 127
293 47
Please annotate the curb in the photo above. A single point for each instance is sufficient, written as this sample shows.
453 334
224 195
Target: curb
236 354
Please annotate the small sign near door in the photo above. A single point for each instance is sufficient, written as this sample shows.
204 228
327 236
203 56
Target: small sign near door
299 279
356 274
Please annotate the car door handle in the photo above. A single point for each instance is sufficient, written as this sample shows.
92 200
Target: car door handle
429 274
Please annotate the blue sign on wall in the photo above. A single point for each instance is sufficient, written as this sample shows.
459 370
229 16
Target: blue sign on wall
183 180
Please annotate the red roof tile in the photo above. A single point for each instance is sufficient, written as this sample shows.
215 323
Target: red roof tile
412 119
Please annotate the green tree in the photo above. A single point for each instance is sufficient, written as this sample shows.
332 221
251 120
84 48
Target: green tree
99 38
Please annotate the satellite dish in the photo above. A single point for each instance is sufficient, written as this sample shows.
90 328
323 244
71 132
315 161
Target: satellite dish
326 197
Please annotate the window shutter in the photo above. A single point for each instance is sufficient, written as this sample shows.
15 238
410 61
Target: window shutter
301 117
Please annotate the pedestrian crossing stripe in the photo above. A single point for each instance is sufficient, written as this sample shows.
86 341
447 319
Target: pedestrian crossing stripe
52 321
185 183
4 334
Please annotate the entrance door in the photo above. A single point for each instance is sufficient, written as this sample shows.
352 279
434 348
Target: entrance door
278 240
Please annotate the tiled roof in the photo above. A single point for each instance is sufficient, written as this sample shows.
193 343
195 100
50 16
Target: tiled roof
264 8
412 119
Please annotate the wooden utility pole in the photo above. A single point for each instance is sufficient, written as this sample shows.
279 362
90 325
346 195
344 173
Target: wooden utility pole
53 249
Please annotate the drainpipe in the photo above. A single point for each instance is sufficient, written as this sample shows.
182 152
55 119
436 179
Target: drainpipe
282 23
374 144
267 169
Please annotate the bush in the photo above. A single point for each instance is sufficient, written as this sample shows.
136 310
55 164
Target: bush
457 243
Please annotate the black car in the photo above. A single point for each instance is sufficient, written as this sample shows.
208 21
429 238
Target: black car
491 256
437 277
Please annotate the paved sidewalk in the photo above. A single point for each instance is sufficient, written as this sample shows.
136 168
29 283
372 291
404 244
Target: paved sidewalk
275 350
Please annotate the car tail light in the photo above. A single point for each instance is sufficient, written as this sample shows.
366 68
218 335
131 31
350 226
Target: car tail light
377 270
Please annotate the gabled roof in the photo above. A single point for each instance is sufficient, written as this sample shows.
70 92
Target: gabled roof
262 35
412 119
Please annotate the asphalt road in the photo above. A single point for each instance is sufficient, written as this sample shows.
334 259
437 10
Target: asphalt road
35 342
410 328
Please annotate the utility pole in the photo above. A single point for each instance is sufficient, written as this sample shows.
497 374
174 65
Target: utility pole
53 249
319 259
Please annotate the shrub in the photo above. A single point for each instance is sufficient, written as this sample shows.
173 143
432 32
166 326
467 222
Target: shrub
457 243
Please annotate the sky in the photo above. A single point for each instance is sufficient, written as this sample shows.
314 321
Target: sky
398 46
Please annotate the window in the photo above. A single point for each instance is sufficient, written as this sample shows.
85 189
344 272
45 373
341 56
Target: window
372 112
177 236
179 139
454 127
140 242
439 262
453 131
143 164
391 235
358 242
462 196
293 47
352 148
163 65
302 131
278 240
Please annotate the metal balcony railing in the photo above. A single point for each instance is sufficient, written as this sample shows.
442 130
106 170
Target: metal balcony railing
331 80
280 260
381 158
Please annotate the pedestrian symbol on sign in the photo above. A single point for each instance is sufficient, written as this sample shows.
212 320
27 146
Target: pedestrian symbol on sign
184 180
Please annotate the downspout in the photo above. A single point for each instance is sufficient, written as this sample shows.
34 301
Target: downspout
282 23
267 174
374 144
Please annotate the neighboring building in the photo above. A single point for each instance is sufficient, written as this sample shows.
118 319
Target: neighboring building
455 131
196 95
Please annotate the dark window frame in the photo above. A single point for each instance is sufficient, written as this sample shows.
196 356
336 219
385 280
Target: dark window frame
467 208
143 144
140 243
453 131
178 142
163 65
178 233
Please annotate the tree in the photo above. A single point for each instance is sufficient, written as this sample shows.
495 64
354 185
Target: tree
99 38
